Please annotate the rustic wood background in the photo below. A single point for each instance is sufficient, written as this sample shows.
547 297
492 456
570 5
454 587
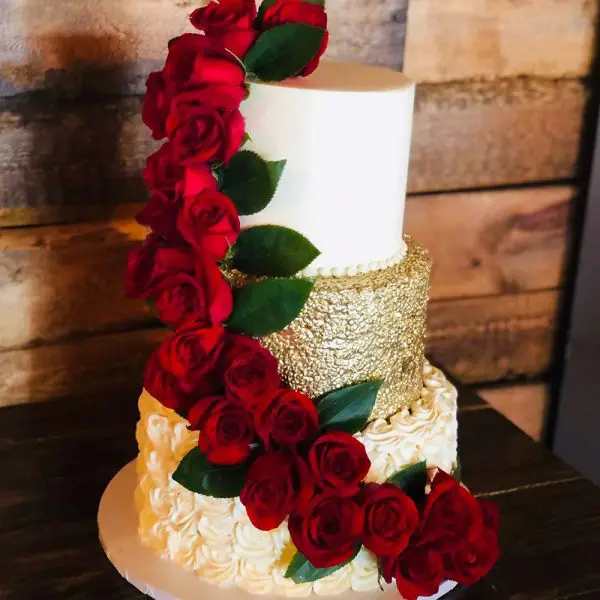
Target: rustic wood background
493 180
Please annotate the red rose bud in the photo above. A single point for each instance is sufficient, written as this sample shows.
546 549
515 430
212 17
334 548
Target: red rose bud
160 213
150 263
161 172
417 571
209 222
390 518
286 418
339 462
468 564
276 483
199 63
204 298
297 11
451 516
226 430
250 370
156 105
182 369
228 21
203 134
327 531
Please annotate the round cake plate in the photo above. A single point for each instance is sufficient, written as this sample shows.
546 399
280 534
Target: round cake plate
165 580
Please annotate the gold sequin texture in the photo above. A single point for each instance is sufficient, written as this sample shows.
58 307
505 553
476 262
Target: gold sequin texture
359 328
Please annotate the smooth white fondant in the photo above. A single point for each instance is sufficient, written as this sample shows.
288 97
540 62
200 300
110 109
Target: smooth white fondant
214 537
162 579
345 133
352 270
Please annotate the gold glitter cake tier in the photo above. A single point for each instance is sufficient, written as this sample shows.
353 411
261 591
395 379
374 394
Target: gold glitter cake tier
361 327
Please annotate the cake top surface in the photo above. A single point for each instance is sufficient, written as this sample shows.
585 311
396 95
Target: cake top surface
334 76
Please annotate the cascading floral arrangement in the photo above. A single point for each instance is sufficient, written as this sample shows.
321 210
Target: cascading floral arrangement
285 455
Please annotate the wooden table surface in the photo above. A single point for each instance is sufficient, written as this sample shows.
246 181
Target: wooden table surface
57 457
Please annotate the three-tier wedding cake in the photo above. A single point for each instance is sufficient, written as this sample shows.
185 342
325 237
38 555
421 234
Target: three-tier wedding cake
292 436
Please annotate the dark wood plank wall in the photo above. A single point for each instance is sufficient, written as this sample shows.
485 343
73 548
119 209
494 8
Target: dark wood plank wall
492 181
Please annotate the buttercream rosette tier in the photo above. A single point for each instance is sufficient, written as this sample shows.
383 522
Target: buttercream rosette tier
292 437
214 536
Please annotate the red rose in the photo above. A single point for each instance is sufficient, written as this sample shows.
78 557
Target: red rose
164 386
161 172
150 263
204 134
390 518
226 429
327 531
490 514
204 298
417 571
275 484
451 516
339 462
182 369
230 22
210 223
250 370
286 418
196 179
200 65
468 564
160 213
156 105
298 11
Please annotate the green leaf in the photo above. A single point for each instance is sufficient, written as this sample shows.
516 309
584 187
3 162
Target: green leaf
250 181
267 306
272 250
275 169
268 3
198 475
301 570
412 480
348 408
265 4
283 51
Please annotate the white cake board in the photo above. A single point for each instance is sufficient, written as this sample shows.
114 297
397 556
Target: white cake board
165 580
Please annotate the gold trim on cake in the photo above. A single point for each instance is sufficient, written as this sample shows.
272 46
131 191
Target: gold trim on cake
358 328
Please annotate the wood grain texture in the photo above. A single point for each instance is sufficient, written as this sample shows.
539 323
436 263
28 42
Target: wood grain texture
67 453
463 39
66 280
523 404
56 282
514 461
483 134
101 365
106 47
493 242
68 162
86 47
496 337
478 340
547 535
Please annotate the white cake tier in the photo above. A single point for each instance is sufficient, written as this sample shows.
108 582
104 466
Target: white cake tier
345 132
214 537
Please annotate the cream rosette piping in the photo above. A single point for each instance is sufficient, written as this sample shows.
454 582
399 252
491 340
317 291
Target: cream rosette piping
214 537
